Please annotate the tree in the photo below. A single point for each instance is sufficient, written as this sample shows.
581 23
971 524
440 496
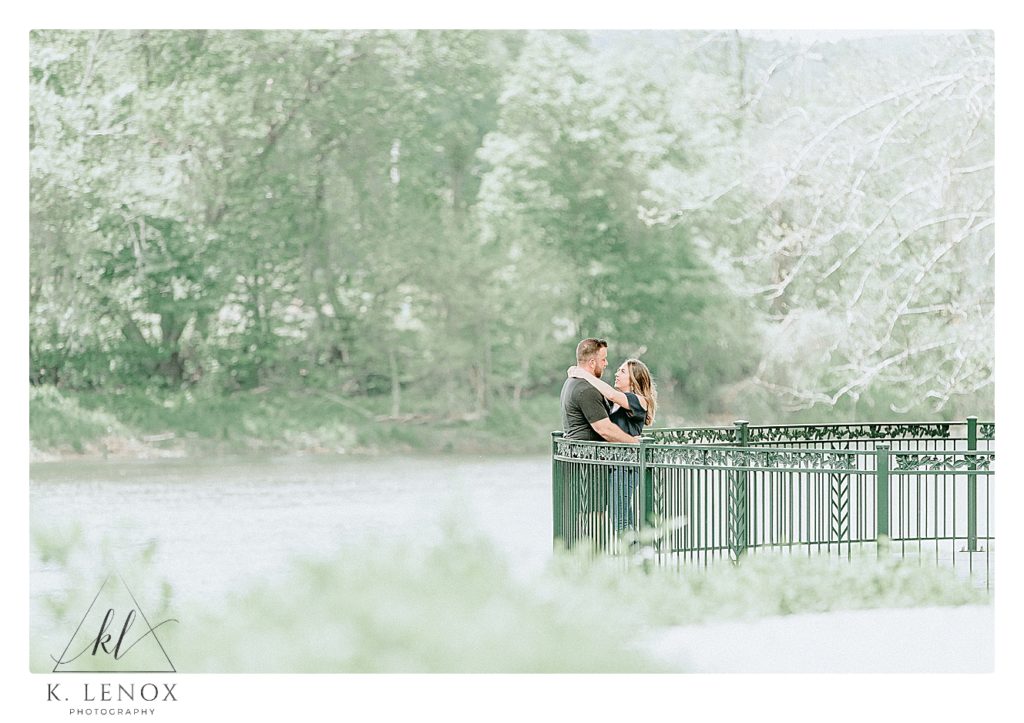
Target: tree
856 209
575 142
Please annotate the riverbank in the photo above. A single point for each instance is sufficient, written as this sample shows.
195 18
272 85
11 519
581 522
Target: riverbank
136 424
145 424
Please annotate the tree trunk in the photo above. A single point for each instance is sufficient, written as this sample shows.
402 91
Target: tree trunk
396 386
171 329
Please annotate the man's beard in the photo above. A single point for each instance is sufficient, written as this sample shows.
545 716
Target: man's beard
598 371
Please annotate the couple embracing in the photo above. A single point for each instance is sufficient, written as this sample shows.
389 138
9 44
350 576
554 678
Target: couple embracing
597 411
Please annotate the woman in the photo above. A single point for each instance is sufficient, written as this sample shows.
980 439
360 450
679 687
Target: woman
634 397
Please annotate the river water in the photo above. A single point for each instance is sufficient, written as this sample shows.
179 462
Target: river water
217 526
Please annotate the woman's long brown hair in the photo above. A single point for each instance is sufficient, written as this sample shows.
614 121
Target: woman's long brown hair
641 383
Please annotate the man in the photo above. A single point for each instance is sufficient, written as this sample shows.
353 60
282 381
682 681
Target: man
584 411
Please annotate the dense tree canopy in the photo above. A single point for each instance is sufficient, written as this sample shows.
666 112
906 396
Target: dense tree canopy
849 194
447 212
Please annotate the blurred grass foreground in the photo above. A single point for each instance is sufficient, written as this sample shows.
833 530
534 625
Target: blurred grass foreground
455 607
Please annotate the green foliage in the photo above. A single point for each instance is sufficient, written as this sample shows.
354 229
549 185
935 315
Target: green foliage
438 216
205 212
765 585
56 420
454 606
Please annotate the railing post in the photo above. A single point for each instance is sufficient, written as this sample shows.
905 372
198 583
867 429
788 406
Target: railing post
882 497
742 432
646 485
972 485
557 493
647 518
738 497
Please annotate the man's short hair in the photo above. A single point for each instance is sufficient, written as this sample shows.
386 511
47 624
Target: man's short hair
588 348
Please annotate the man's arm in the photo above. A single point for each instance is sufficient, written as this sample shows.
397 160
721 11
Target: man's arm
612 433
595 412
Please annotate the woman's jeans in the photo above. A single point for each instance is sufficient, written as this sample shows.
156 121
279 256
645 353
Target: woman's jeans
622 482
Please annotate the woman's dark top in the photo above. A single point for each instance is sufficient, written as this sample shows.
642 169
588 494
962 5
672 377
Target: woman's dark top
630 421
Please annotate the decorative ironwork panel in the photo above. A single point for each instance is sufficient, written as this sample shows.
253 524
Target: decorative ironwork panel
942 462
813 459
626 454
658 508
581 500
737 512
694 435
759 458
688 456
828 432
839 503
776 433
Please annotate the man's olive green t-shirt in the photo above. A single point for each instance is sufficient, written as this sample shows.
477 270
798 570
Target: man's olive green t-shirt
581 405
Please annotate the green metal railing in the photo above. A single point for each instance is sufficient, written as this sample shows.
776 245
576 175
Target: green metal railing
701 494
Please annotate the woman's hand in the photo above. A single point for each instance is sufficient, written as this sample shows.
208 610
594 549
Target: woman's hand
574 372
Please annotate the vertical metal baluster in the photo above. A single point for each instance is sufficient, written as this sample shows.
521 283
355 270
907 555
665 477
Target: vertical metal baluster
988 530
972 486
739 496
646 485
882 497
